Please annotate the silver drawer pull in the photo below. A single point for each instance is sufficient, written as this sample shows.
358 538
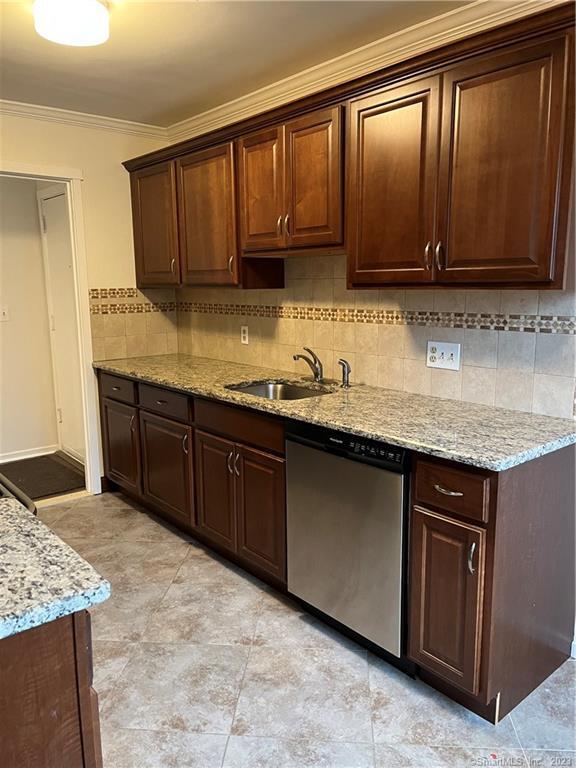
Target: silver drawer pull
116 389
132 420
471 558
236 459
447 492
185 444
229 462
161 402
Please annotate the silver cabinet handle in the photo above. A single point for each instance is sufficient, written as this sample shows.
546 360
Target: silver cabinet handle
161 402
471 551
279 226
236 459
447 492
185 443
116 389
229 462
439 251
132 419
172 264
428 256
287 224
230 260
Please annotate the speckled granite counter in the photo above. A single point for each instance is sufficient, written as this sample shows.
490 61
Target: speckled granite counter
41 577
492 438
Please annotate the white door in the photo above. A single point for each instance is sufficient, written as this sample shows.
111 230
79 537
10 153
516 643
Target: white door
63 323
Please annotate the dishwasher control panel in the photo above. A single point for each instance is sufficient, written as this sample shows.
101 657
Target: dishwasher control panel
358 448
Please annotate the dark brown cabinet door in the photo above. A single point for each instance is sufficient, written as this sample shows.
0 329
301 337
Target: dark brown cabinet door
261 512
121 445
216 519
502 134
392 171
313 176
167 467
261 190
447 582
207 217
155 225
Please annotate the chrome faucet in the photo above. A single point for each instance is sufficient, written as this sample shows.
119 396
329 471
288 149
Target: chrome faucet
345 373
314 362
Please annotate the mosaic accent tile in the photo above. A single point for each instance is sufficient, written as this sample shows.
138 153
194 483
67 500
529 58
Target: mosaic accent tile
133 309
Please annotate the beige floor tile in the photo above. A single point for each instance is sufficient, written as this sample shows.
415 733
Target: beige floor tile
124 616
134 563
250 752
283 623
211 613
50 515
201 566
313 694
406 711
550 759
109 659
123 748
410 756
547 718
123 523
187 688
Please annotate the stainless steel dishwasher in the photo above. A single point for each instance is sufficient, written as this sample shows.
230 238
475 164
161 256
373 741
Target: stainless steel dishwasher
346 507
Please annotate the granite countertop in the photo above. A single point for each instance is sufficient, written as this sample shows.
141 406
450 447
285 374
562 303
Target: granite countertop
479 435
41 577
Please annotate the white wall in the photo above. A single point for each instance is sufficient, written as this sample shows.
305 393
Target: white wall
98 153
27 409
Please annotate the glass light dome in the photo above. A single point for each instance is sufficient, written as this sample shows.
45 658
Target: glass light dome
72 22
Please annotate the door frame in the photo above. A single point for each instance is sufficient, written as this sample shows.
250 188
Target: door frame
72 179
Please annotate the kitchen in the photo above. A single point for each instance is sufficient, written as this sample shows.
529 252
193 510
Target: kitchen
328 352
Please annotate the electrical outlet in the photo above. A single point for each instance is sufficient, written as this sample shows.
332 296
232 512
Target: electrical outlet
244 334
442 354
4 314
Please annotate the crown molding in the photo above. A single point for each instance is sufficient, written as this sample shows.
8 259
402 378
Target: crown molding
81 119
478 16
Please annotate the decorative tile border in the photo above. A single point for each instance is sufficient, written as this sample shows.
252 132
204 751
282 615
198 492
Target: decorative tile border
113 293
559 324
133 309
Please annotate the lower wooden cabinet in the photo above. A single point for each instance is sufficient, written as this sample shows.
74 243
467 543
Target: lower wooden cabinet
167 466
241 502
446 596
215 490
260 510
120 437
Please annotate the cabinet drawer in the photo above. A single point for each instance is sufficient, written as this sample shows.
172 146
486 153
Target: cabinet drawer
117 388
464 492
160 400
240 424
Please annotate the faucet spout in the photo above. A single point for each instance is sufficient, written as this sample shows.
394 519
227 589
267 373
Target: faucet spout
314 363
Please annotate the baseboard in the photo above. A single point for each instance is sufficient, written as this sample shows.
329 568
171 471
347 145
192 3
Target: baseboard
72 454
573 651
27 454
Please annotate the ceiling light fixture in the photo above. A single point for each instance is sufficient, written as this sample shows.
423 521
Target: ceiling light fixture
72 22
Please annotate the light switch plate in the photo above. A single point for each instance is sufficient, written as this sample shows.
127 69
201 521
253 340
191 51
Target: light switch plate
4 314
443 354
244 339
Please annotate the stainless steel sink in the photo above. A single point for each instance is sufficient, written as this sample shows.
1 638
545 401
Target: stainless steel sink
279 390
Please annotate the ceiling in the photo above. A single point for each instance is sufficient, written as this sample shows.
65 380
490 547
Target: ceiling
166 61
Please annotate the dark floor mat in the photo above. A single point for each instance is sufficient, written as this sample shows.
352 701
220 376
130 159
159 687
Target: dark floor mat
44 476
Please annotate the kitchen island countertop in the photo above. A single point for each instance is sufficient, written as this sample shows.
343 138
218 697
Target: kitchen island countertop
479 435
41 577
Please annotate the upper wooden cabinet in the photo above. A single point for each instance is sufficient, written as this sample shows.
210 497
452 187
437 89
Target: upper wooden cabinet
481 199
458 171
207 216
155 225
503 119
289 184
393 158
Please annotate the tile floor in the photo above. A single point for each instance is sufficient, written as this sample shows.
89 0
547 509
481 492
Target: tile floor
199 665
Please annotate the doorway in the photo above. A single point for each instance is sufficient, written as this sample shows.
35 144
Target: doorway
68 458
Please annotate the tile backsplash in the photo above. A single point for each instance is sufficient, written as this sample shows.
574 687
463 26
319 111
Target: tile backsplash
518 347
